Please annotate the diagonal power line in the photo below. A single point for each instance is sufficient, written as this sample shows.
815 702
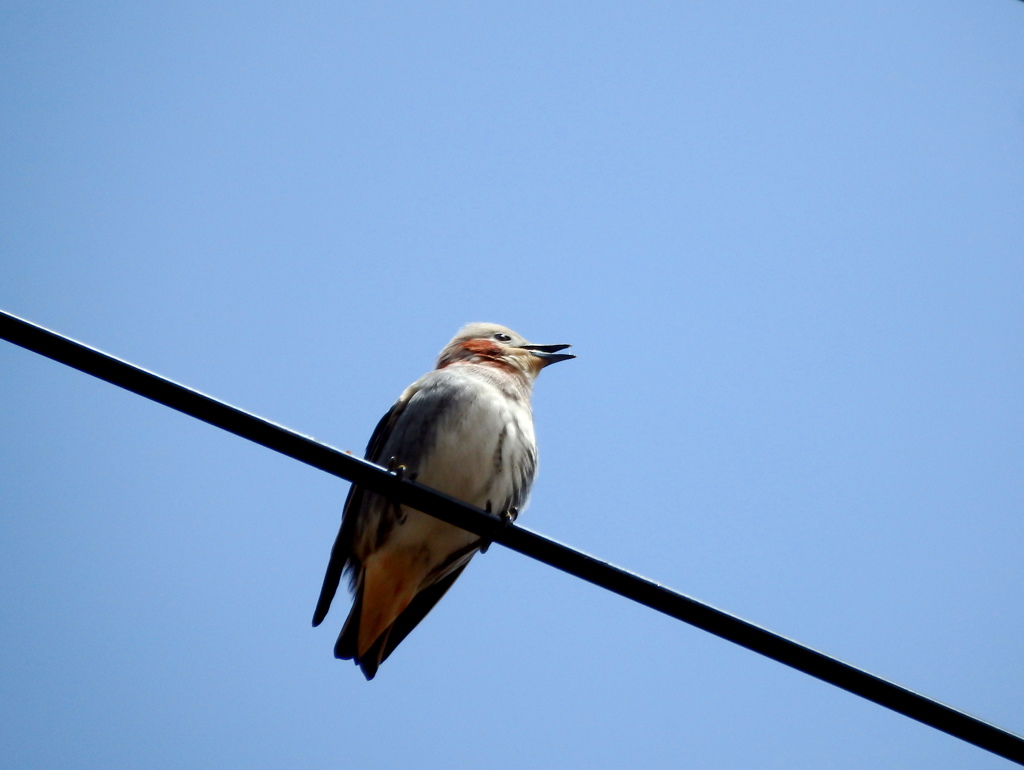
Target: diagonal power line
620 581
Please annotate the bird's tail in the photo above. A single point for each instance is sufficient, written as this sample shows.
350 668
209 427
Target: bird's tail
347 646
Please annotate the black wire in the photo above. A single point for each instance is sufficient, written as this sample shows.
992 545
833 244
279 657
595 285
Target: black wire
632 586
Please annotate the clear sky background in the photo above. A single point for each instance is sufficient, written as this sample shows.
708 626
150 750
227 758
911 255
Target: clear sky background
786 241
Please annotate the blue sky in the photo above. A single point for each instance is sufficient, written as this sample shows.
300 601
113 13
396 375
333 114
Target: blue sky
786 242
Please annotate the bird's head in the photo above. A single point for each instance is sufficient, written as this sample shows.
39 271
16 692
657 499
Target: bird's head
498 346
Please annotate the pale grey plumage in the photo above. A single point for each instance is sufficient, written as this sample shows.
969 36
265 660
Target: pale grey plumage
466 429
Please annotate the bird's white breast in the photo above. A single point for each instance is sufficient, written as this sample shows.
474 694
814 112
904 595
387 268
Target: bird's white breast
463 458
464 461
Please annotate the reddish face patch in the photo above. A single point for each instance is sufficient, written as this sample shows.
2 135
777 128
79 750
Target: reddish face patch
486 353
482 347
479 352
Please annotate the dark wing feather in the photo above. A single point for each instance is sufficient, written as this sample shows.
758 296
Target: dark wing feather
341 552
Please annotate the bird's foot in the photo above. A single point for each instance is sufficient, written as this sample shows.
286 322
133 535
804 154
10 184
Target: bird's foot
395 468
505 519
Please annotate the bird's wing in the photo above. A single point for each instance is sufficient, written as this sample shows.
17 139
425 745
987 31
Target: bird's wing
341 552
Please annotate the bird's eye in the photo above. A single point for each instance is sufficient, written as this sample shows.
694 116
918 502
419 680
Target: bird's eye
502 337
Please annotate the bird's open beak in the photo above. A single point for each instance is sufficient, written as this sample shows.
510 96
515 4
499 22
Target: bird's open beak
548 354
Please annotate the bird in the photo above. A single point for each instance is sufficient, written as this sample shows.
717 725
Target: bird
465 429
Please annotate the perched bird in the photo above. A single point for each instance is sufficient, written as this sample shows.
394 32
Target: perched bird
465 429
